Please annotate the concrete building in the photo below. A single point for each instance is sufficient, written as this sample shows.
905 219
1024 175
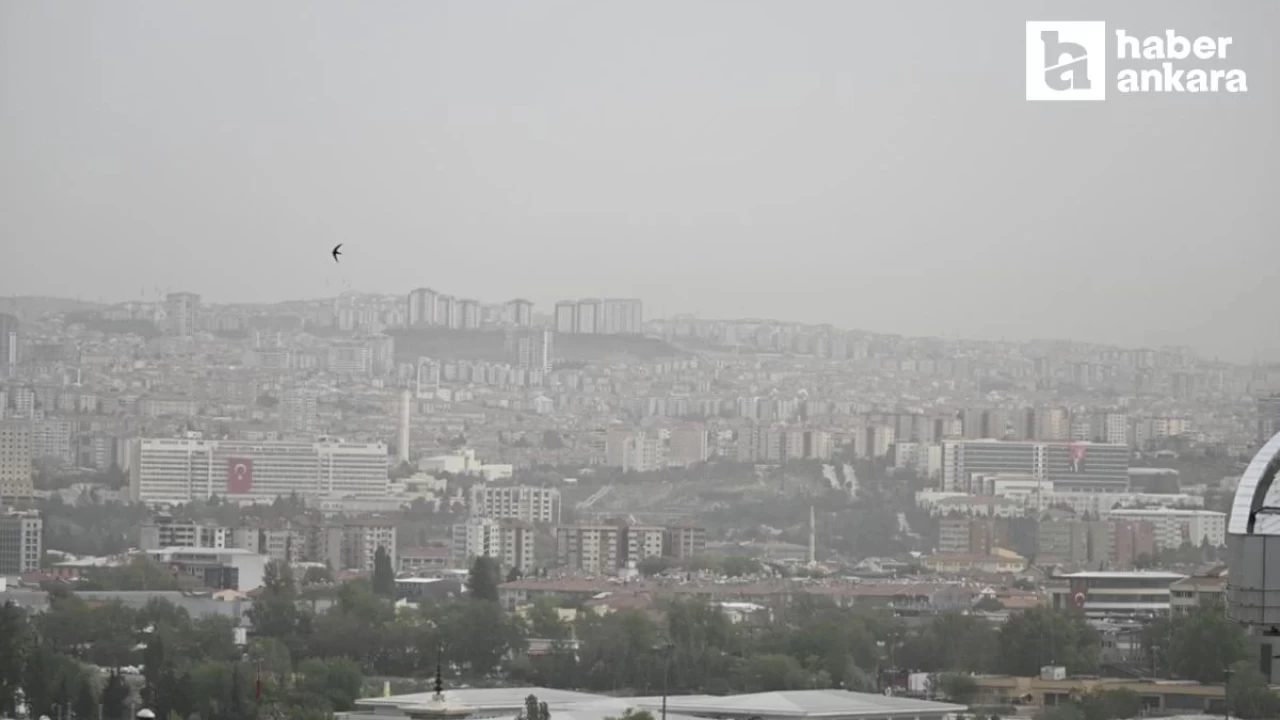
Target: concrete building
217 568
519 502
10 343
634 450
510 542
298 411
182 313
1115 594
16 456
1072 467
689 446
21 542
422 307
520 313
686 539
179 470
1175 526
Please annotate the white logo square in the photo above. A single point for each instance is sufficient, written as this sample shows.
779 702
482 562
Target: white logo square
1067 60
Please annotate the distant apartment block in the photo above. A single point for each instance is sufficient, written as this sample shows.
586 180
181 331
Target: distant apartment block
606 548
689 446
182 313
21 542
519 312
1072 467
533 349
179 470
1268 418
510 542
10 343
16 456
519 502
422 307
634 450
1172 527
350 544
610 316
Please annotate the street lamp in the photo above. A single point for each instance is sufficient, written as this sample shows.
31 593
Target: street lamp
666 647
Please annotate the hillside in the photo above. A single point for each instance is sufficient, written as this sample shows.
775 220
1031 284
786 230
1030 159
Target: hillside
487 345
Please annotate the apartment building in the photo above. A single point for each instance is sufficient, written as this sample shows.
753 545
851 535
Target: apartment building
348 544
1175 526
607 547
21 542
634 450
510 542
689 446
15 460
519 502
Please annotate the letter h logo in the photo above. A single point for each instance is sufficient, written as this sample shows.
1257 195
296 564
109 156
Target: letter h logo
1066 60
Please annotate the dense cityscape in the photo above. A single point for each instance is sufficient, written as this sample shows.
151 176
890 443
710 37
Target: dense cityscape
315 507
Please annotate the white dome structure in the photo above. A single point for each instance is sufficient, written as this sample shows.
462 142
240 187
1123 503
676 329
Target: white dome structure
1253 540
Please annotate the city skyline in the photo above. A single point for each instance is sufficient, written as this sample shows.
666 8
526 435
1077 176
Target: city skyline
752 168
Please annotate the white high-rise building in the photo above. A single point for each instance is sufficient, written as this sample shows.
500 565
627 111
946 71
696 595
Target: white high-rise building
510 542
517 502
179 470
298 410
422 307
182 310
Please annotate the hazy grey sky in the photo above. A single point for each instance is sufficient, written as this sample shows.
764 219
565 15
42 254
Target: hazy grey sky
868 164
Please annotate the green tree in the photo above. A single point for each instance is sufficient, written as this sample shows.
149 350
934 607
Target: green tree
956 687
384 576
85 705
115 697
482 581
338 680
1034 638
1247 694
1111 704
534 710
1203 643
14 645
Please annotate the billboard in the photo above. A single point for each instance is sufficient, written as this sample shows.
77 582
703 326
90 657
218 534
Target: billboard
239 476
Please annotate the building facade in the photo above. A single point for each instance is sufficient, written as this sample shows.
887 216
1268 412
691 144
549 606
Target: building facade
179 470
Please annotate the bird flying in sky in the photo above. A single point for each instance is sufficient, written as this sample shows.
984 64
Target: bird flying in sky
335 252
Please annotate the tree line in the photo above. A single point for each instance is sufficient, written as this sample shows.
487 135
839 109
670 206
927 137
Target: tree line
301 661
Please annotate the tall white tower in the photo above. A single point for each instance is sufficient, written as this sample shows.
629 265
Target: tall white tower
402 439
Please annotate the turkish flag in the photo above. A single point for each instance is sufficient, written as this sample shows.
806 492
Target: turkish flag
239 476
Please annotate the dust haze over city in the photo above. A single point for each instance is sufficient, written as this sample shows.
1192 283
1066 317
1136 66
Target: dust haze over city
737 360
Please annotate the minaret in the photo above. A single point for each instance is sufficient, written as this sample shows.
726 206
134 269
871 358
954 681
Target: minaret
813 536
437 708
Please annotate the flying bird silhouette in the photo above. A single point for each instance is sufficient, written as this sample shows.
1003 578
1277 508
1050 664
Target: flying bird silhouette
335 252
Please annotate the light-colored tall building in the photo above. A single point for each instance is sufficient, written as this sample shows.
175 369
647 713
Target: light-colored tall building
16 455
588 312
468 314
686 539
179 470
1175 526
519 502
21 542
510 542
10 343
182 311
534 349
593 549
51 439
1070 466
520 313
566 320
422 307
634 450
689 446
299 412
